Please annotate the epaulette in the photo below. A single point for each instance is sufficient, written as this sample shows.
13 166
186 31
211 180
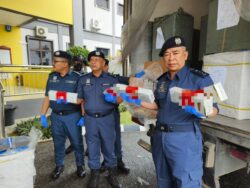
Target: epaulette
113 75
78 73
52 72
83 75
199 72
164 74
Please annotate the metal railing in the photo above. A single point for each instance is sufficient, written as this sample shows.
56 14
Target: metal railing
24 80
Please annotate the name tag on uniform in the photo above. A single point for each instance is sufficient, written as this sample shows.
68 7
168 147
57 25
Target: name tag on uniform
70 81
54 79
106 84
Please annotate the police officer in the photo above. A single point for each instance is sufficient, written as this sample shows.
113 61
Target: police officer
177 141
79 66
99 119
118 144
66 119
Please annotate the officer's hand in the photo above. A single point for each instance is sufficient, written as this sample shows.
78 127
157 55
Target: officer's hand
61 101
125 97
192 110
110 98
43 121
80 122
140 74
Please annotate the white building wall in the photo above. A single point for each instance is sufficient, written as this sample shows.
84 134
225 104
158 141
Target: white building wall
65 40
104 16
118 20
92 45
24 33
117 49
107 30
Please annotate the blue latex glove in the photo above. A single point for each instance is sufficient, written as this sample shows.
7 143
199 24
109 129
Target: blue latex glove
80 122
193 111
137 102
125 97
110 98
61 101
140 74
43 121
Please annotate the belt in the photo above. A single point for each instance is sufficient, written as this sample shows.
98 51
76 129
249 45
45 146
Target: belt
64 113
174 128
99 114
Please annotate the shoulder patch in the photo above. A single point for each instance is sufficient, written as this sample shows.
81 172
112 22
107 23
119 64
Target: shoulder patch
164 74
199 73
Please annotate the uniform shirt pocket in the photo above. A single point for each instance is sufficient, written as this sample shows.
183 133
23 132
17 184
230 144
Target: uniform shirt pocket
70 85
88 90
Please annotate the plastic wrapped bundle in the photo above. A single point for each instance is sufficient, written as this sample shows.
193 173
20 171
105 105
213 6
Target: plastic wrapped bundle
17 160
151 72
140 112
145 116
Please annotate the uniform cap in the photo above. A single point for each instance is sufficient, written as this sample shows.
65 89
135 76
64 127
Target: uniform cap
172 42
96 53
62 54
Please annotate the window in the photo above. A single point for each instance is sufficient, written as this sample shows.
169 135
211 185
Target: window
104 50
119 9
102 4
40 51
5 55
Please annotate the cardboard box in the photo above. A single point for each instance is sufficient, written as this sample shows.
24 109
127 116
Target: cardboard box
233 71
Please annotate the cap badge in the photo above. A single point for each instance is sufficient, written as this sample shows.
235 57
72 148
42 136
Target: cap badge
97 53
57 53
177 41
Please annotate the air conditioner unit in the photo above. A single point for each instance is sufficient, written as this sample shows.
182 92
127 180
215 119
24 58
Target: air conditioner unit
96 24
41 31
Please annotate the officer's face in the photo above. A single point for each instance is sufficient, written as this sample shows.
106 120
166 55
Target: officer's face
96 63
175 58
60 64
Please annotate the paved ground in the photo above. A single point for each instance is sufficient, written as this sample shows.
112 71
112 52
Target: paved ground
139 160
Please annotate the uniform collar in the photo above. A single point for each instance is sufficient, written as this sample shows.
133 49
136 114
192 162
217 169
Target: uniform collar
68 73
181 74
103 74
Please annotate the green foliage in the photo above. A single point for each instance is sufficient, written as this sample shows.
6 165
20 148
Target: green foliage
24 128
78 50
122 108
126 118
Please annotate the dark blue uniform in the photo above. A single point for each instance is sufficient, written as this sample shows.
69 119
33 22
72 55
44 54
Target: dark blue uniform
99 118
177 141
64 118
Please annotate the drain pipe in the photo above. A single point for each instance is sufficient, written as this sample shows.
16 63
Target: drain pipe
2 119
